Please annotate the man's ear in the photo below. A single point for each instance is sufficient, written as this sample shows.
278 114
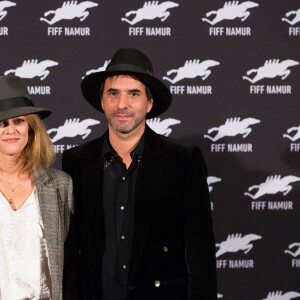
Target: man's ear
101 103
150 105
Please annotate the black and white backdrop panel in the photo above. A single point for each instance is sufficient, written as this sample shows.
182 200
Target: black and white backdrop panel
233 69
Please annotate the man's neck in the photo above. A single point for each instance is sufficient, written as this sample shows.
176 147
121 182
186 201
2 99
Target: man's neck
124 144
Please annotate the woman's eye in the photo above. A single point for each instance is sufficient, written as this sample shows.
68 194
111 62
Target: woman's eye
19 121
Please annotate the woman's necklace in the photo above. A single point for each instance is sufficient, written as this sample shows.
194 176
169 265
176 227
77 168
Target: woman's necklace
12 191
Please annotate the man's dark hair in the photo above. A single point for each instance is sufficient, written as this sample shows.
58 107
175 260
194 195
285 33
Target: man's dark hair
147 90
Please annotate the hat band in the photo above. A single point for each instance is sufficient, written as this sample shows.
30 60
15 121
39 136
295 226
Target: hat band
14 102
128 68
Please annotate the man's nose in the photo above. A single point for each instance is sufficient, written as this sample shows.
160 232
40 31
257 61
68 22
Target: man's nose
123 101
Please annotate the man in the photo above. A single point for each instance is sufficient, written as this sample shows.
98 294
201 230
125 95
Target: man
144 226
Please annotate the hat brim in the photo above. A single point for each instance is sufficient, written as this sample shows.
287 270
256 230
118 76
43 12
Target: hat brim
162 97
21 111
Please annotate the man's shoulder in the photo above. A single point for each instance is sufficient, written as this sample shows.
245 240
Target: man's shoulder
172 145
184 157
83 150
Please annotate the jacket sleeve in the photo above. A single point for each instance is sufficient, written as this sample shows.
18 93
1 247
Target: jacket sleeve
70 275
199 237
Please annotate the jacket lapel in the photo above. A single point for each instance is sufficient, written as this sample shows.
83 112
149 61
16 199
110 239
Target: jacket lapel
52 215
46 206
146 195
92 197
92 174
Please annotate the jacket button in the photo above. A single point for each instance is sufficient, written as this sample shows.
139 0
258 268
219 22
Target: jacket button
157 283
165 249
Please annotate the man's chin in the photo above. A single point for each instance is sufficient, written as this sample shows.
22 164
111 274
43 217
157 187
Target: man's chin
123 131
121 128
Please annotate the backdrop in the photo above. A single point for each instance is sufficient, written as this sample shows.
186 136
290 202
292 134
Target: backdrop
233 69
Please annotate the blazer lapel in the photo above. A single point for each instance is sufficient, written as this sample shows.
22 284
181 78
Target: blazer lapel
51 214
146 195
50 220
92 174
92 203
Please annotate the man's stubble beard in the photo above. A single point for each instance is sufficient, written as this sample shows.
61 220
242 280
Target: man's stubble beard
125 127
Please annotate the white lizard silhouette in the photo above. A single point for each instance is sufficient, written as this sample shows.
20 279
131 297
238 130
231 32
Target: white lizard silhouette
232 127
272 185
3 5
72 128
212 179
278 295
150 11
295 19
69 10
237 242
162 126
271 69
33 68
192 69
296 135
296 252
231 10
100 69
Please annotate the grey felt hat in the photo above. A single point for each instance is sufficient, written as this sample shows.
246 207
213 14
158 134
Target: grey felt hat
128 61
15 100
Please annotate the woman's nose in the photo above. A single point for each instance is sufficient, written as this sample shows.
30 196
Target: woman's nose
10 128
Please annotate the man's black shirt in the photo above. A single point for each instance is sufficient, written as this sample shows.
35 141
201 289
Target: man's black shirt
118 201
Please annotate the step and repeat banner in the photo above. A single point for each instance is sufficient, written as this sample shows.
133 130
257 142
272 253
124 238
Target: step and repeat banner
233 69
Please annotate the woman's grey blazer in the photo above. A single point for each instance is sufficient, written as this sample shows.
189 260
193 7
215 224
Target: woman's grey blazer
55 196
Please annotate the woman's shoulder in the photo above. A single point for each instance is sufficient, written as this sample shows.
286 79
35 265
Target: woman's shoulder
58 174
58 177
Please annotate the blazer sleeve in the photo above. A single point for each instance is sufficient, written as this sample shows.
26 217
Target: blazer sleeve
70 277
199 237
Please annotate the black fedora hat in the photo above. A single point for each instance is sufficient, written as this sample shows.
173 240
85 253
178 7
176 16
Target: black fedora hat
15 100
128 61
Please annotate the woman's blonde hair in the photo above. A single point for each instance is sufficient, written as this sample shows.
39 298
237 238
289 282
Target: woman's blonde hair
39 150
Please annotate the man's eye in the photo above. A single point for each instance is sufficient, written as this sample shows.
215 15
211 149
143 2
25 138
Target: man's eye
135 93
2 123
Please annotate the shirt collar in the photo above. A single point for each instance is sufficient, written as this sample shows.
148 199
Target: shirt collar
108 152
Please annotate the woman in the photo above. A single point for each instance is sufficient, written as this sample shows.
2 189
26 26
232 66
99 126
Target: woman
35 200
